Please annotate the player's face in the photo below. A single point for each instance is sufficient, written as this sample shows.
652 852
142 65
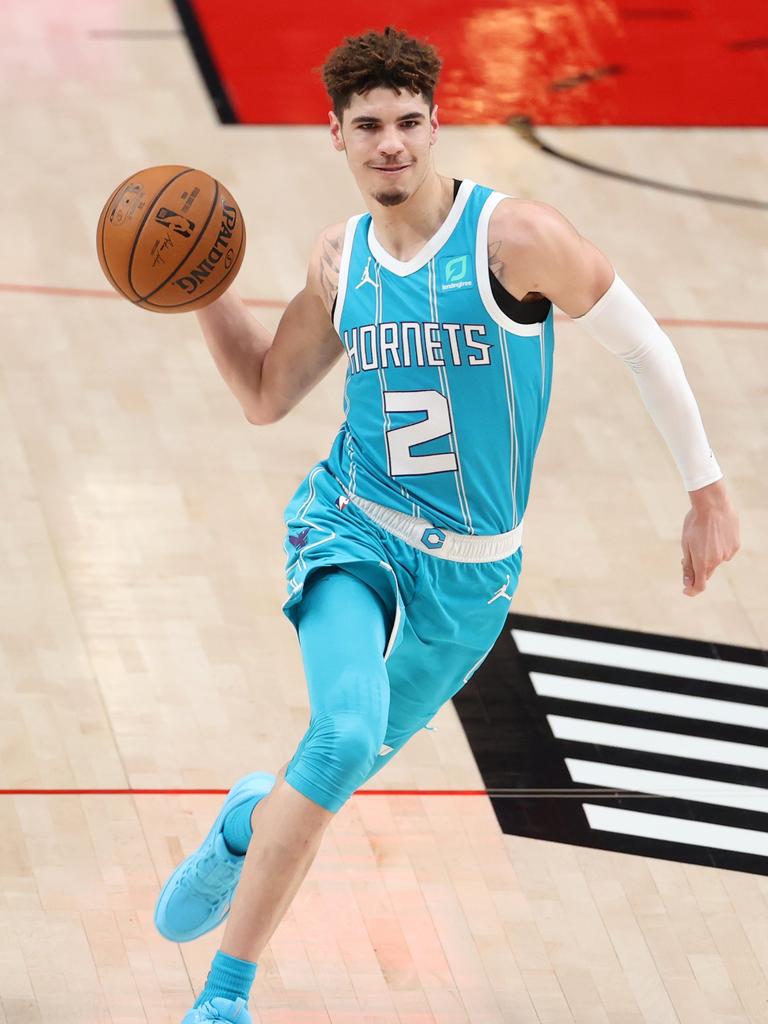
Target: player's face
388 138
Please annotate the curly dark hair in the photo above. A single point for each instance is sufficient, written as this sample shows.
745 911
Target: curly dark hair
390 58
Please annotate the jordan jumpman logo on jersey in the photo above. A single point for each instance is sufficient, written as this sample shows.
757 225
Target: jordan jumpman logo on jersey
366 278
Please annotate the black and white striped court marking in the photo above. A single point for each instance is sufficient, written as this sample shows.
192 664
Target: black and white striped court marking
626 741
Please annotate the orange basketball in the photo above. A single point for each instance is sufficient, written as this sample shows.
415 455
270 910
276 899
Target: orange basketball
170 239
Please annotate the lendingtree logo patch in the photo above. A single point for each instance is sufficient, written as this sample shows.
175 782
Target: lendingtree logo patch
455 272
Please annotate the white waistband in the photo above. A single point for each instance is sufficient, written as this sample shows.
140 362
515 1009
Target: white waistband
435 540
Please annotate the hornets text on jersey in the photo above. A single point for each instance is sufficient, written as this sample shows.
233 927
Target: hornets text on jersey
446 395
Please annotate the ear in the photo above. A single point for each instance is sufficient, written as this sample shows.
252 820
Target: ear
336 137
434 126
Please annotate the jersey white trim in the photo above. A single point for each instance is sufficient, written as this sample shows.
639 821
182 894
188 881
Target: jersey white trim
483 273
442 373
396 624
436 242
346 255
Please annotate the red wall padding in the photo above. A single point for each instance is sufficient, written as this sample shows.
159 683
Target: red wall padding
689 62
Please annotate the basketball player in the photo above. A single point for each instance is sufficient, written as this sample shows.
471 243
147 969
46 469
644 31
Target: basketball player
404 544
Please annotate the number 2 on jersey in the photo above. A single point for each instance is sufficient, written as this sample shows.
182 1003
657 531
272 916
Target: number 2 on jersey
400 440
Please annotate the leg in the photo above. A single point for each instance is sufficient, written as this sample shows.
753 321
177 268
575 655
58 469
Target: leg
342 632
288 829
424 676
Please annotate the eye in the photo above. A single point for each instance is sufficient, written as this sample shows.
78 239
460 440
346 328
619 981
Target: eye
366 126
409 124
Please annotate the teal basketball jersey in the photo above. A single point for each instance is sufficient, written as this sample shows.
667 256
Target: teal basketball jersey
445 395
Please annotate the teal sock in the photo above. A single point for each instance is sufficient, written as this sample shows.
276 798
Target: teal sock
237 829
228 978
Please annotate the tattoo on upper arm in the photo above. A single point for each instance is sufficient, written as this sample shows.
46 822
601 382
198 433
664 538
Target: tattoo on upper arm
496 266
495 263
330 267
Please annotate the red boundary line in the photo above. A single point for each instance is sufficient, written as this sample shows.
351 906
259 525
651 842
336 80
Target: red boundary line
105 293
223 792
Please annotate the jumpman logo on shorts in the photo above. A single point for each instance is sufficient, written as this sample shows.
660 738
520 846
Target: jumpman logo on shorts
366 278
502 592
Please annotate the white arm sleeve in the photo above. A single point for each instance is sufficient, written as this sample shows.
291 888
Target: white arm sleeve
622 324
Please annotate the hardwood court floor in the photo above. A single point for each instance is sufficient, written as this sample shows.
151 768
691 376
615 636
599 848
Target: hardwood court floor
141 639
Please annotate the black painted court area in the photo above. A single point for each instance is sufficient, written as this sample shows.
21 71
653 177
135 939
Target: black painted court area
523 763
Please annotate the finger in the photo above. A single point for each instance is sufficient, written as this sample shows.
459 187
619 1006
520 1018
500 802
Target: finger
733 550
700 576
688 576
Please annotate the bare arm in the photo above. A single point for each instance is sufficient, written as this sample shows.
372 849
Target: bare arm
267 375
535 252
533 247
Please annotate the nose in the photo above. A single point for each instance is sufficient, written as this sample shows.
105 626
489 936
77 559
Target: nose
390 143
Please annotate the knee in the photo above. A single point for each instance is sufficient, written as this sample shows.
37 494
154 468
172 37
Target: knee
342 746
350 740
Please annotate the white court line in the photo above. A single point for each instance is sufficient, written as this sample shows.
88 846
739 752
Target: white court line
676 830
636 698
682 787
641 659
656 742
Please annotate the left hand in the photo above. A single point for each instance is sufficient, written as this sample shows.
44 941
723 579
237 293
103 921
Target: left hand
710 536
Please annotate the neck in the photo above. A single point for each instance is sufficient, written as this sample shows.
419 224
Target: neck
404 229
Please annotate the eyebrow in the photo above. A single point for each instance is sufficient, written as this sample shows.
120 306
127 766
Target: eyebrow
403 117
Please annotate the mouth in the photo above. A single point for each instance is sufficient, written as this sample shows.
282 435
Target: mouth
395 169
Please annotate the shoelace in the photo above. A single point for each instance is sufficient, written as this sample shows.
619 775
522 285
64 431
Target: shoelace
209 875
214 1014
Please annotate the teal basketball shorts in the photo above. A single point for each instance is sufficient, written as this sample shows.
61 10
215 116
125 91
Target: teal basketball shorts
446 611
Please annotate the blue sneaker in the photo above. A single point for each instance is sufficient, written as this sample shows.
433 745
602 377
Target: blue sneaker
226 1011
197 896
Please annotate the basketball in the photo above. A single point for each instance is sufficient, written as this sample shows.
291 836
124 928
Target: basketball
170 239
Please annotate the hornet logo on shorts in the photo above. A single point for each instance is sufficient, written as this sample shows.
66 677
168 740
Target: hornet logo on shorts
171 219
299 540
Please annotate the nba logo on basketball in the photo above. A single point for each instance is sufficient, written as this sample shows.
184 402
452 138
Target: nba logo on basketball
171 219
